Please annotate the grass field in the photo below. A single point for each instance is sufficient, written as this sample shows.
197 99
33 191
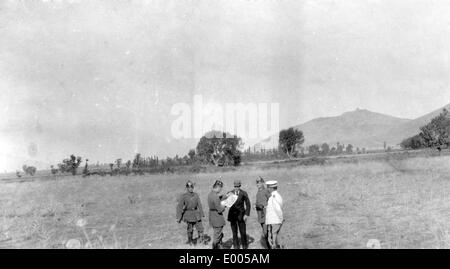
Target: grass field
404 203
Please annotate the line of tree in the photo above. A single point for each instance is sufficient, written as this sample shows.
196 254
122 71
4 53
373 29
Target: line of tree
290 145
216 148
326 150
290 141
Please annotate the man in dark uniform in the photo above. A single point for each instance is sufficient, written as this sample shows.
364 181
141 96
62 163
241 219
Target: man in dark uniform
216 219
262 196
237 215
190 210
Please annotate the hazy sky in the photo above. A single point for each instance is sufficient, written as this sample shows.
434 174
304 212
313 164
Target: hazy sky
98 78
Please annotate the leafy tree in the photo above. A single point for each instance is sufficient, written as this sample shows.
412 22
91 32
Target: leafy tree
191 155
128 165
70 165
118 163
325 149
289 139
53 170
219 148
62 167
168 161
177 160
414 142
186 160
339 149
349 149
29 170
137 162
437 132
434 134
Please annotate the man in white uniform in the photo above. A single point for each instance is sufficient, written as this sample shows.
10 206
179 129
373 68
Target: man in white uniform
274 214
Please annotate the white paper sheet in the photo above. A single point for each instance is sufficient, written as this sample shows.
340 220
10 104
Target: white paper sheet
229 201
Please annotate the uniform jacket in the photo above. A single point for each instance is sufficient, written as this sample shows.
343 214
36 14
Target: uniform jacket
190 208
262 196
274 212
216 218
240 208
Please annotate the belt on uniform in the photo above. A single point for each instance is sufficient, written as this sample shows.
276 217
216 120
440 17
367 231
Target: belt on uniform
194 209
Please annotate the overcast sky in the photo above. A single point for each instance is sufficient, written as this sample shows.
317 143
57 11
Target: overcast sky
98 78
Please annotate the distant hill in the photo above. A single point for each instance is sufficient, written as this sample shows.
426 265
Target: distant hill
361 128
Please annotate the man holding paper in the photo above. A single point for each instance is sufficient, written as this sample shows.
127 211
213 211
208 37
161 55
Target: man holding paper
237 215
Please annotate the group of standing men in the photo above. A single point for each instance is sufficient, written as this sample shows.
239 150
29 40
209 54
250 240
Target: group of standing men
268 207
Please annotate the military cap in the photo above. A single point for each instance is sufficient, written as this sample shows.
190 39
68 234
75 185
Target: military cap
259 180
218 183
272 183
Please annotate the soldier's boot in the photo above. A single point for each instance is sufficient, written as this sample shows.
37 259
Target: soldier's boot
236 244
220 245
201 238
190 241
244 243
217 244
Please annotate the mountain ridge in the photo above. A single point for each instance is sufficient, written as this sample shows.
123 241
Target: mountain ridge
361 127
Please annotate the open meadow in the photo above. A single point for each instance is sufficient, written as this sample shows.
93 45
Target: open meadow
404 203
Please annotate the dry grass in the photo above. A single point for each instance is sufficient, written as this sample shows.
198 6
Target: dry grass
402 203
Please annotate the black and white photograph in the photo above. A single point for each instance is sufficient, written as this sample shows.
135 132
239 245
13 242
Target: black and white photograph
224 125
